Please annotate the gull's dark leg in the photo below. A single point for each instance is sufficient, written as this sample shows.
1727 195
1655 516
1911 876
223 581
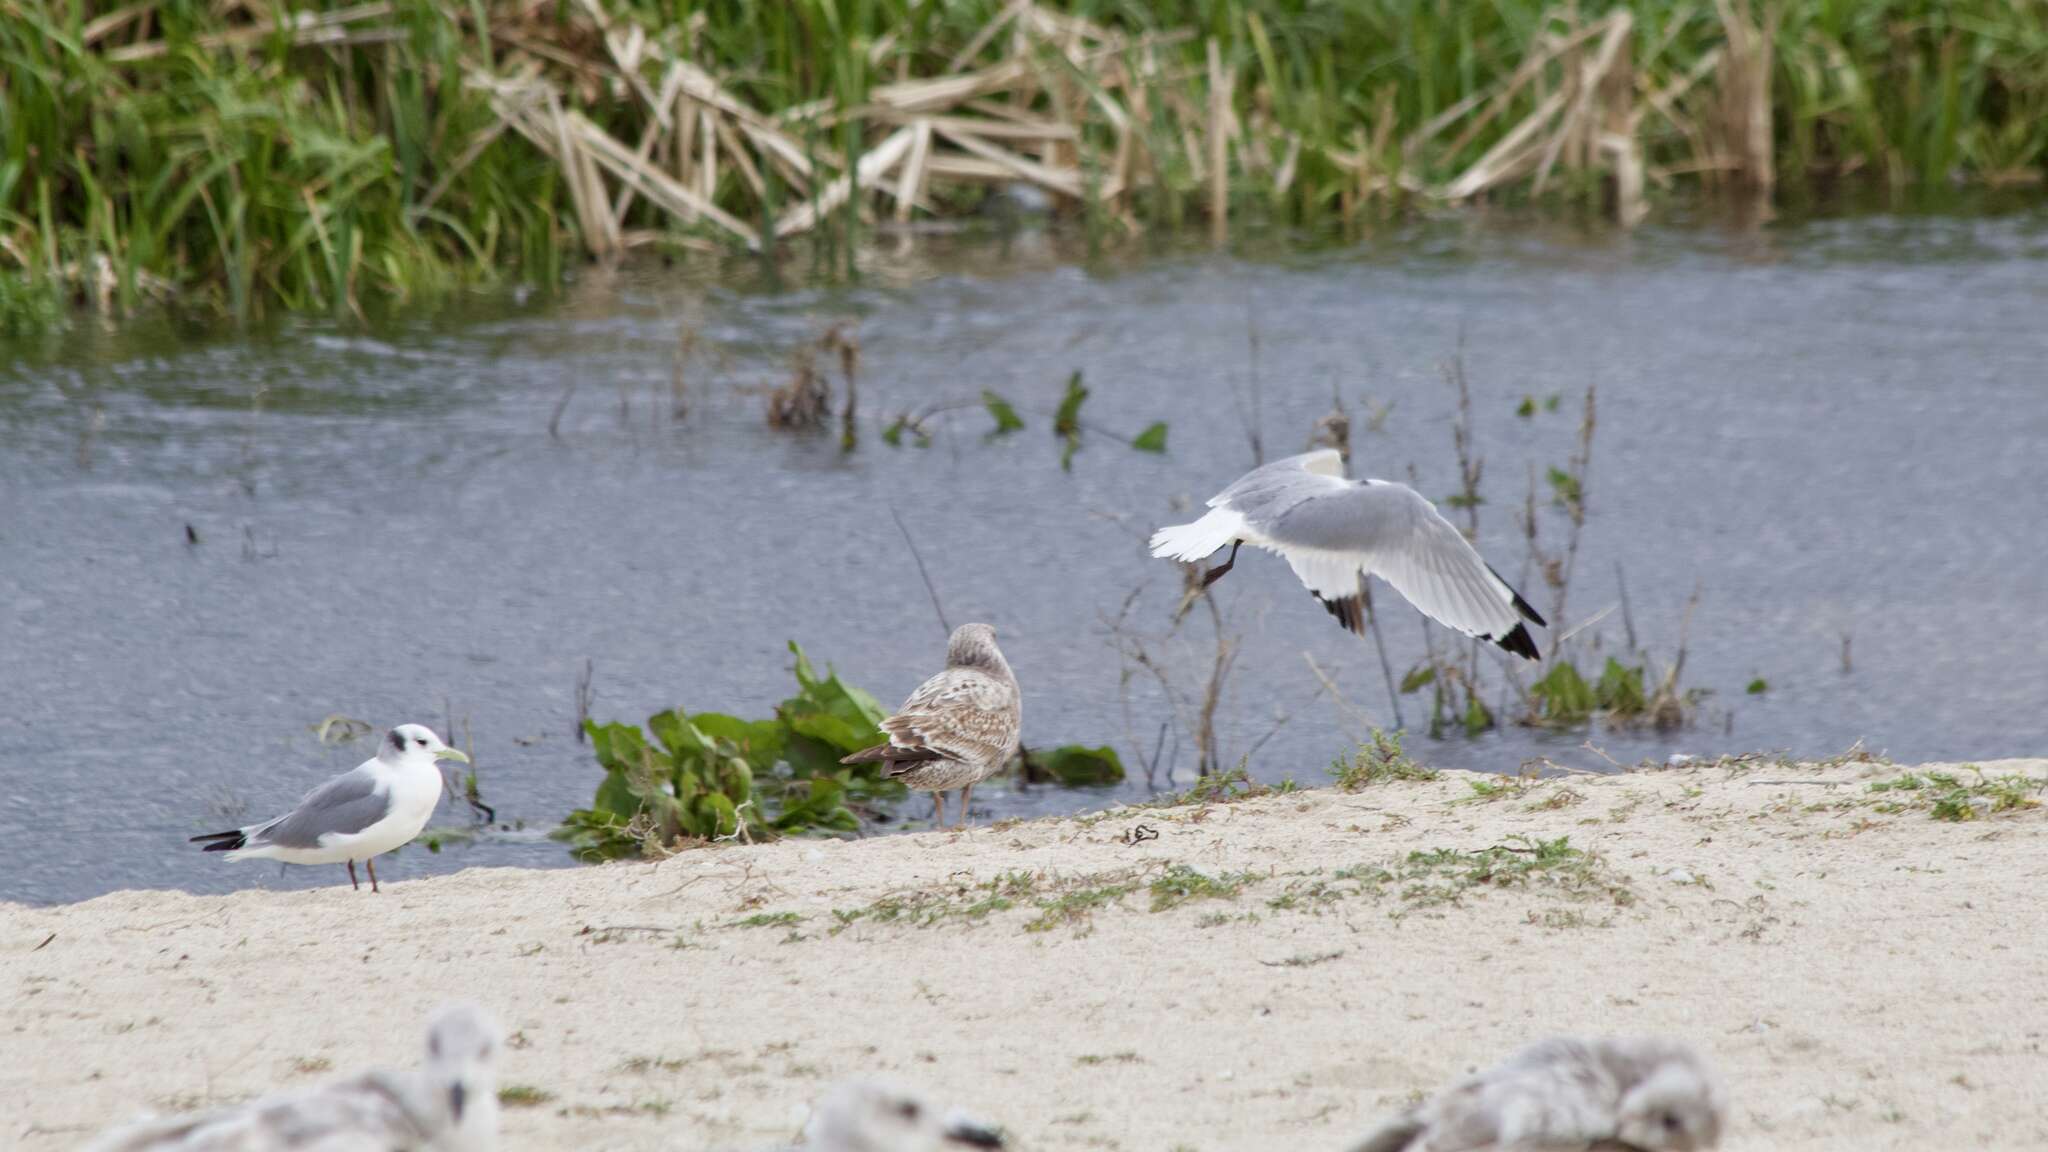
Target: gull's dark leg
352 877
371 864
1217 572
964 794
939 799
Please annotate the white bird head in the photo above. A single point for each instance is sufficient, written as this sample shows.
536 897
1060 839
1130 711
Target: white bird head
974 646
408 741
462 1073
1676 1107
877 1116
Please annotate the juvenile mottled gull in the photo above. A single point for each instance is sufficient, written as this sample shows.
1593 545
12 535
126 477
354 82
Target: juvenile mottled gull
1643 1094
379 805
450 1105
1331 529
877 1116
959 727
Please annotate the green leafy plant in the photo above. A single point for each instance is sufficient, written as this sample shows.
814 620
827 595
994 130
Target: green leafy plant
1066 422
1077 766
1564 697
1006 417
708 776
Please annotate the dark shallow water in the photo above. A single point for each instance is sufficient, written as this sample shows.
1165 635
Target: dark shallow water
1834 427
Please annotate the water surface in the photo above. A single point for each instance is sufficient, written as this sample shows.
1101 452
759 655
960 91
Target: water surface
1833 429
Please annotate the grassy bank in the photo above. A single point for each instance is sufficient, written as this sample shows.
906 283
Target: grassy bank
252 155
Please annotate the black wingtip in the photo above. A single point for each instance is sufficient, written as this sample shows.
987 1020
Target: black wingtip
1520 644
221 841
1527 610
1349 611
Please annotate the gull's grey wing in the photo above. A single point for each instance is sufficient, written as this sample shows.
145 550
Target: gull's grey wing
1267 492
346 805
367 1114
1389 530
1396 1135
962 714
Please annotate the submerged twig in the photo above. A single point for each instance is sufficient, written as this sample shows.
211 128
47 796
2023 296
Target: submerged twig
930 590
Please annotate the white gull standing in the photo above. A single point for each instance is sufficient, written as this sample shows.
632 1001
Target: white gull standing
959 727
450 1105
1566 1094
1331 529
880 1116
379 805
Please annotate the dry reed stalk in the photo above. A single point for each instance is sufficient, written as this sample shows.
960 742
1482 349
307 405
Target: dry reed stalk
1496 98
971 169
988 33
1218 123
910 184
307 28
874 164
734 148
1064 181
1618 139
652 183
104 26
650 136
1584 82
1746 95
1508 154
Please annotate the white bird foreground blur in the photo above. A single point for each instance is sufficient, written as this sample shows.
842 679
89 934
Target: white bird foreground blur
448 1105
1567 1094
881 1116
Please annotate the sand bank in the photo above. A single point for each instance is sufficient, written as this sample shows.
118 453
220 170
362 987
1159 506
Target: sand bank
1270 973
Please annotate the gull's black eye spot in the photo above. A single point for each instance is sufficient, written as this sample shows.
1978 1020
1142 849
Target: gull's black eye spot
908 1109
421 742
1671 1122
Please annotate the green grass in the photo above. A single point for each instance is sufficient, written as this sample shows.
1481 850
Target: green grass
263 174
1445 875
1076 907
1378 762
1181 884
523 1096
1947 796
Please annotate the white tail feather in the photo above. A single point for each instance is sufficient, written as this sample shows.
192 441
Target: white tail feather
1194 541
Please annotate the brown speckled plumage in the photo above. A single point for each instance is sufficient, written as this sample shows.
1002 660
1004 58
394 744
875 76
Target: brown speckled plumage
960 726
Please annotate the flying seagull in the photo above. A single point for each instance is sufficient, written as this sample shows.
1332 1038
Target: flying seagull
379 805
1331 529
878 1116
450 1105
959 727
1641 1094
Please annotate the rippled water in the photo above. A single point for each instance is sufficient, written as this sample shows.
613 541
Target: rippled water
1834 428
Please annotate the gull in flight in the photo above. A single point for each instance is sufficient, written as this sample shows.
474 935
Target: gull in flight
959 727
450 1105
379 805
1331 529
877 1116
1642 1094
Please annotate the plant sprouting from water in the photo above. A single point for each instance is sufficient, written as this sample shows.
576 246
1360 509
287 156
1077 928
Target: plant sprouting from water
710 776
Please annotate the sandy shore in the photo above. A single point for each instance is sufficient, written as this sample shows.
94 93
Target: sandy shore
1271 973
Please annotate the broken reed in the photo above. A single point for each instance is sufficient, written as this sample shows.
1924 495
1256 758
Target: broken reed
254 154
